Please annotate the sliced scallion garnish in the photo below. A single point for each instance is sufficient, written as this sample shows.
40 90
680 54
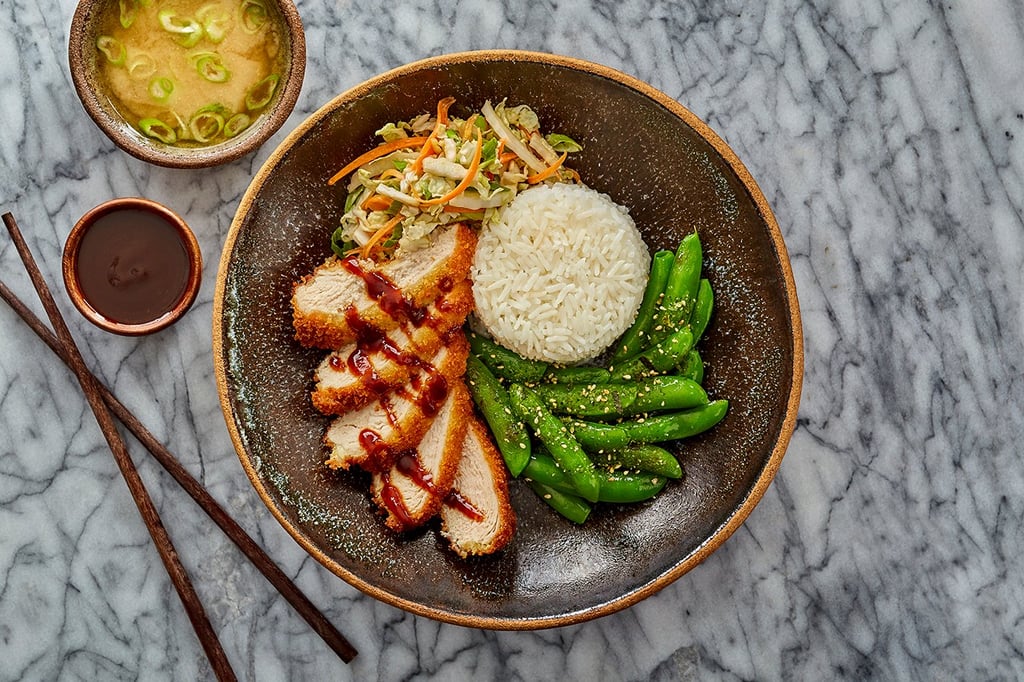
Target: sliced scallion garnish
216 21
205 126
157 129
112 48
254 15
236 124
141 65
210 67
186 30
161 88
259 95
129 10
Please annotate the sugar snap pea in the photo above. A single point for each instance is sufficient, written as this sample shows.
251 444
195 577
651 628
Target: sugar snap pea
635 338
692 366
701 314
681 288
556 437
658 359
493 402
572 507
628 488
649 458
577 375
664 427
623 398
503 362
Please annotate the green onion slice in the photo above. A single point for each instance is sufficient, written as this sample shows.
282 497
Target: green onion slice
161 88
216 21
260 94
155 128
129 11
209 66
236 124
112 48
186 31
141 66
206 125
254 15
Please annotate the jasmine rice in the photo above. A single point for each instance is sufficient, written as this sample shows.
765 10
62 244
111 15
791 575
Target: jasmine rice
560 275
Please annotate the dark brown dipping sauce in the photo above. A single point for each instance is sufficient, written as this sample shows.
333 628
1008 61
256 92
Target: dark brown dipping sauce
132 266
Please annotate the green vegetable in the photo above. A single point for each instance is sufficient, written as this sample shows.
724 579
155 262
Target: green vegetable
211 68
644 457
339 245
658 359
129 10
505 363
186 30
629 488
236 124
492 400
701 314
141 65
112 48
352 198
261 93
157 129
563 143
673 426
205 125
577 375
571 507
692 366
542 468
637 336
254 15
161 88
680 289
216 21
621 399
553 433
400 164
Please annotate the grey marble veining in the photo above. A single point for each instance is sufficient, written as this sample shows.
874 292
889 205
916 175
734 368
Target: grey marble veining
888 140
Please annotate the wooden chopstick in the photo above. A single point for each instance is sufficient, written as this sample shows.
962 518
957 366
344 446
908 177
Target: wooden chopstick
260 559
316 620
186 591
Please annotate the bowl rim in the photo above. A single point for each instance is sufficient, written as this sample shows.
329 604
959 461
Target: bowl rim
721 534
121 133
69 262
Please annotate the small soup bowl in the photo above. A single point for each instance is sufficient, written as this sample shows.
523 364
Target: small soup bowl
88 55
132 266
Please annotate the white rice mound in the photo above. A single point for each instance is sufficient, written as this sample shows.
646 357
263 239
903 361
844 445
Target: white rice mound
559 276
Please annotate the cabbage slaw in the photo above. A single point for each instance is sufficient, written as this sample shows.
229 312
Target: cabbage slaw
438 169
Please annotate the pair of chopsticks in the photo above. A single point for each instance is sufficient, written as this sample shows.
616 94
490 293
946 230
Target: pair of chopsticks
105 406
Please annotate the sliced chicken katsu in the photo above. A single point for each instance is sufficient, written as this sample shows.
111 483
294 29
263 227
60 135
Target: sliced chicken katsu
345 296
361 372
411 491
477 516
373 436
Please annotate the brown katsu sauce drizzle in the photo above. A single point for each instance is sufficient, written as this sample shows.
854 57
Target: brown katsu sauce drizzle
392 497
388 296
456 501
408 465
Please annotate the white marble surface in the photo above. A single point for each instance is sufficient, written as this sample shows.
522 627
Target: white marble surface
888 138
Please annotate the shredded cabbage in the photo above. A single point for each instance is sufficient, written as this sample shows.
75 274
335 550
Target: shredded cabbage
511 151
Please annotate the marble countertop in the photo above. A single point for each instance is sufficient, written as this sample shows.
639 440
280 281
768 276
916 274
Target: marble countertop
888 139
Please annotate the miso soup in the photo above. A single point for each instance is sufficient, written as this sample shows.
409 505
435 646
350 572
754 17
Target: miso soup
192 72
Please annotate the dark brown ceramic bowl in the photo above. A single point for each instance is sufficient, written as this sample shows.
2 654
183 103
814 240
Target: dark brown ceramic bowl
162 316
83 58
651 155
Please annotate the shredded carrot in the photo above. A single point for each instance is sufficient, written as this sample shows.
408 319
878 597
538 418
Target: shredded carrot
442 123
392 173
474 166
376 153
507 158
380 235
376 202
467 127
547 172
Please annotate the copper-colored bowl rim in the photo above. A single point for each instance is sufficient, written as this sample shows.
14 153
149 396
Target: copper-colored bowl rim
77 296
138 146
721 534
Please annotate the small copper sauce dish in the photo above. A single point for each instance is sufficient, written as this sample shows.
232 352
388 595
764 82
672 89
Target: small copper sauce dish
132 266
